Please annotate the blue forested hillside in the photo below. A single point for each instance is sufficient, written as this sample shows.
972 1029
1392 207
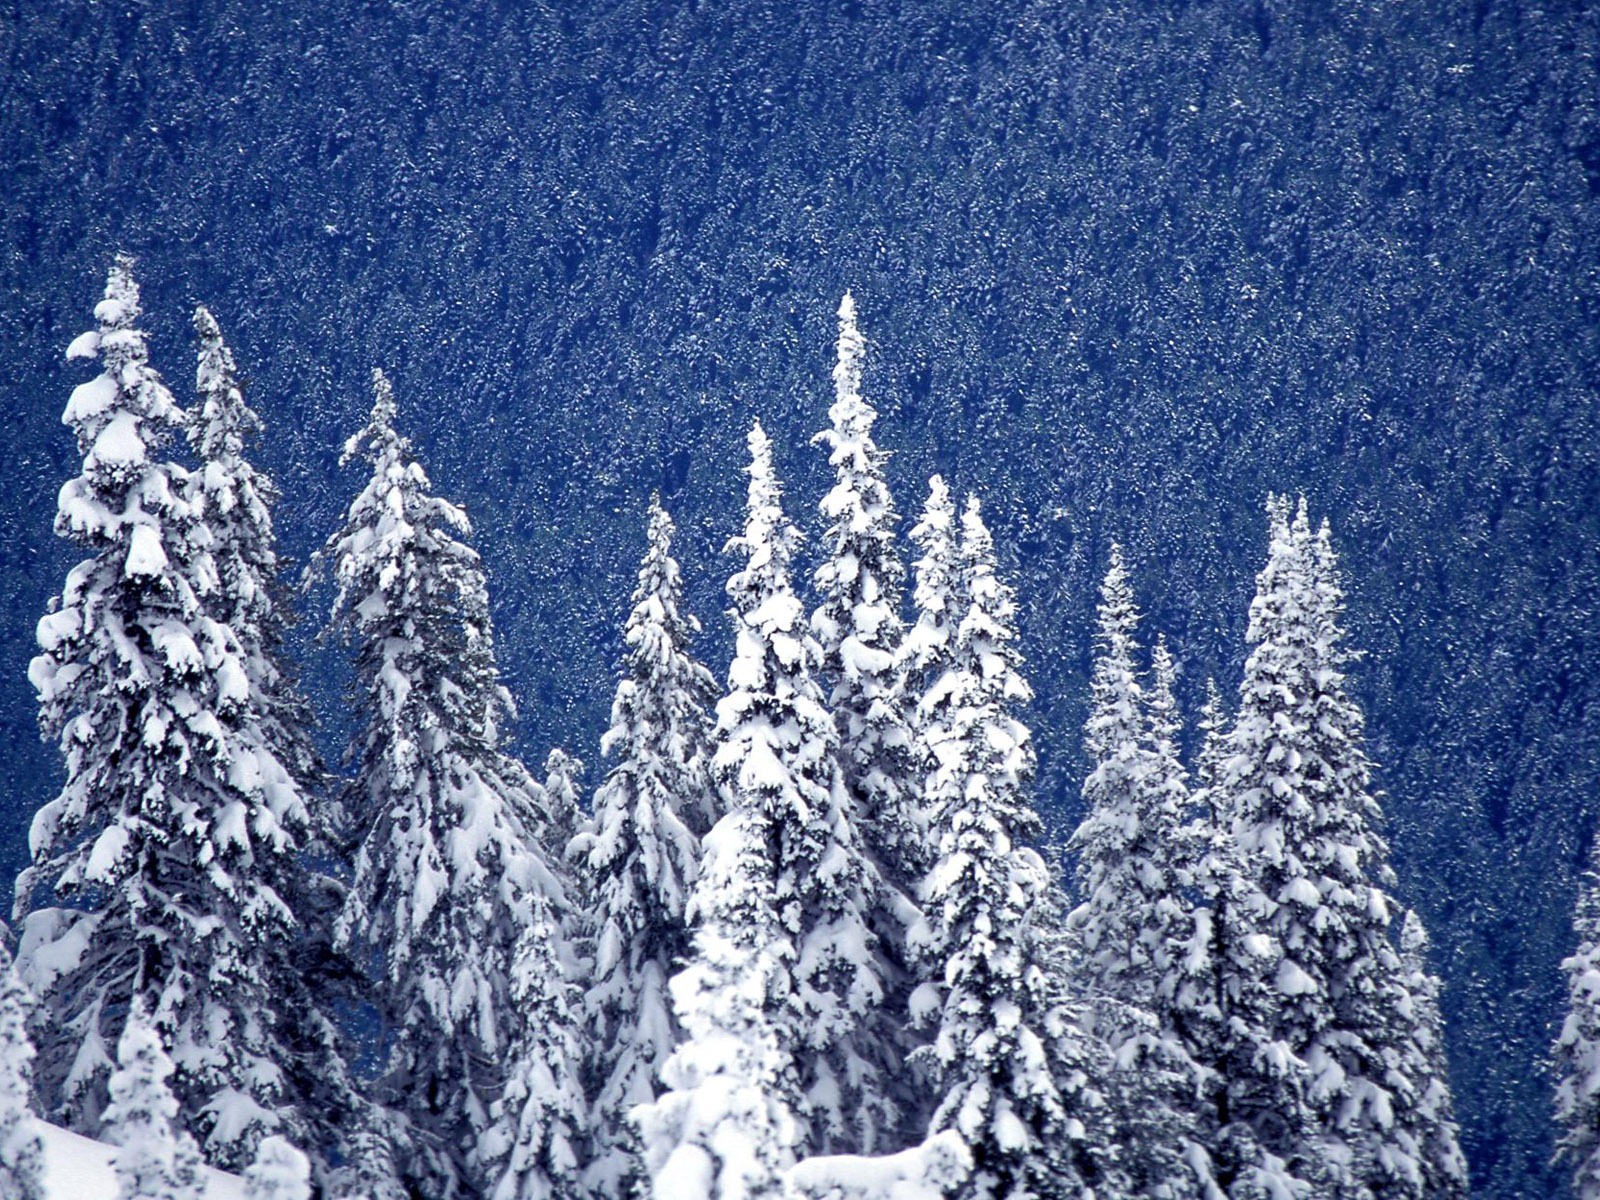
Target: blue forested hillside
1125 268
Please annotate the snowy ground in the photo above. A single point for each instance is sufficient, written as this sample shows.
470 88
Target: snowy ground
77 1168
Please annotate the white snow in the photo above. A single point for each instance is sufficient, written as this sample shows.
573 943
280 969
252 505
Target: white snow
85 345
79 1168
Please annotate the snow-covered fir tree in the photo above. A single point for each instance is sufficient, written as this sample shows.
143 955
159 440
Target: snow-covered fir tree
858 625
533 1148
1136 924
1309 871
157 872
155 1158
776 757
1024 1111
643 857
446 876
1428 1116
1124 845
291 969
21 1147
726 1127
238 500
279 1172
1577 1050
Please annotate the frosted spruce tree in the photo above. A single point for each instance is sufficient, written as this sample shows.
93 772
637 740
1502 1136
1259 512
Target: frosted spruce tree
533 1148
564 817
776 756
1577 1050
155 1158
1134 930
446 876
928 648
1016 1090
21 1147
643 856
238 500
1297 799
858 628
1429 1118
158 872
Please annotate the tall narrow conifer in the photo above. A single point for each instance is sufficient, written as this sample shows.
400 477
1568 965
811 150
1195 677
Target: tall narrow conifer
643 855
446 875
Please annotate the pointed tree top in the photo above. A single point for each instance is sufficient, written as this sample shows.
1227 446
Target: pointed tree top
1413 936
223 420
120 308
378 441
852 349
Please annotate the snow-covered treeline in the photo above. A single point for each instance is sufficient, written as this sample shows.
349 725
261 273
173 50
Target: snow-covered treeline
801 939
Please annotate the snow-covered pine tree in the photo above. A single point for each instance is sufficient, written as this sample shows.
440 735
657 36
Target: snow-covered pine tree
1025 1113
1308 876
1577 1050
1124 843
1213 727
155 1158
21 1148
279 1172
643 857
776 758
1136 923
532 1149
928 648
156 871
726 1126
251 599
1429 1118
446 874
858 625
295 969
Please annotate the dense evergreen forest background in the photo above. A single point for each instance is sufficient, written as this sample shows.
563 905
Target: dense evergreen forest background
1124 268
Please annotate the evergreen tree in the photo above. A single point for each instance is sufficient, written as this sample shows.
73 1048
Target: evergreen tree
279 1172
643 856
298 976
250 599
776 758
726 1127
928 649
1577 1050
21 1147
858 626
1429 1116
446 875
1302 814
155 1159
859 629
1136 924
1024 1112
1125 843
531 1150
158 872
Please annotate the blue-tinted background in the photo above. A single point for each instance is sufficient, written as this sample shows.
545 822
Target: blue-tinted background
1125 268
